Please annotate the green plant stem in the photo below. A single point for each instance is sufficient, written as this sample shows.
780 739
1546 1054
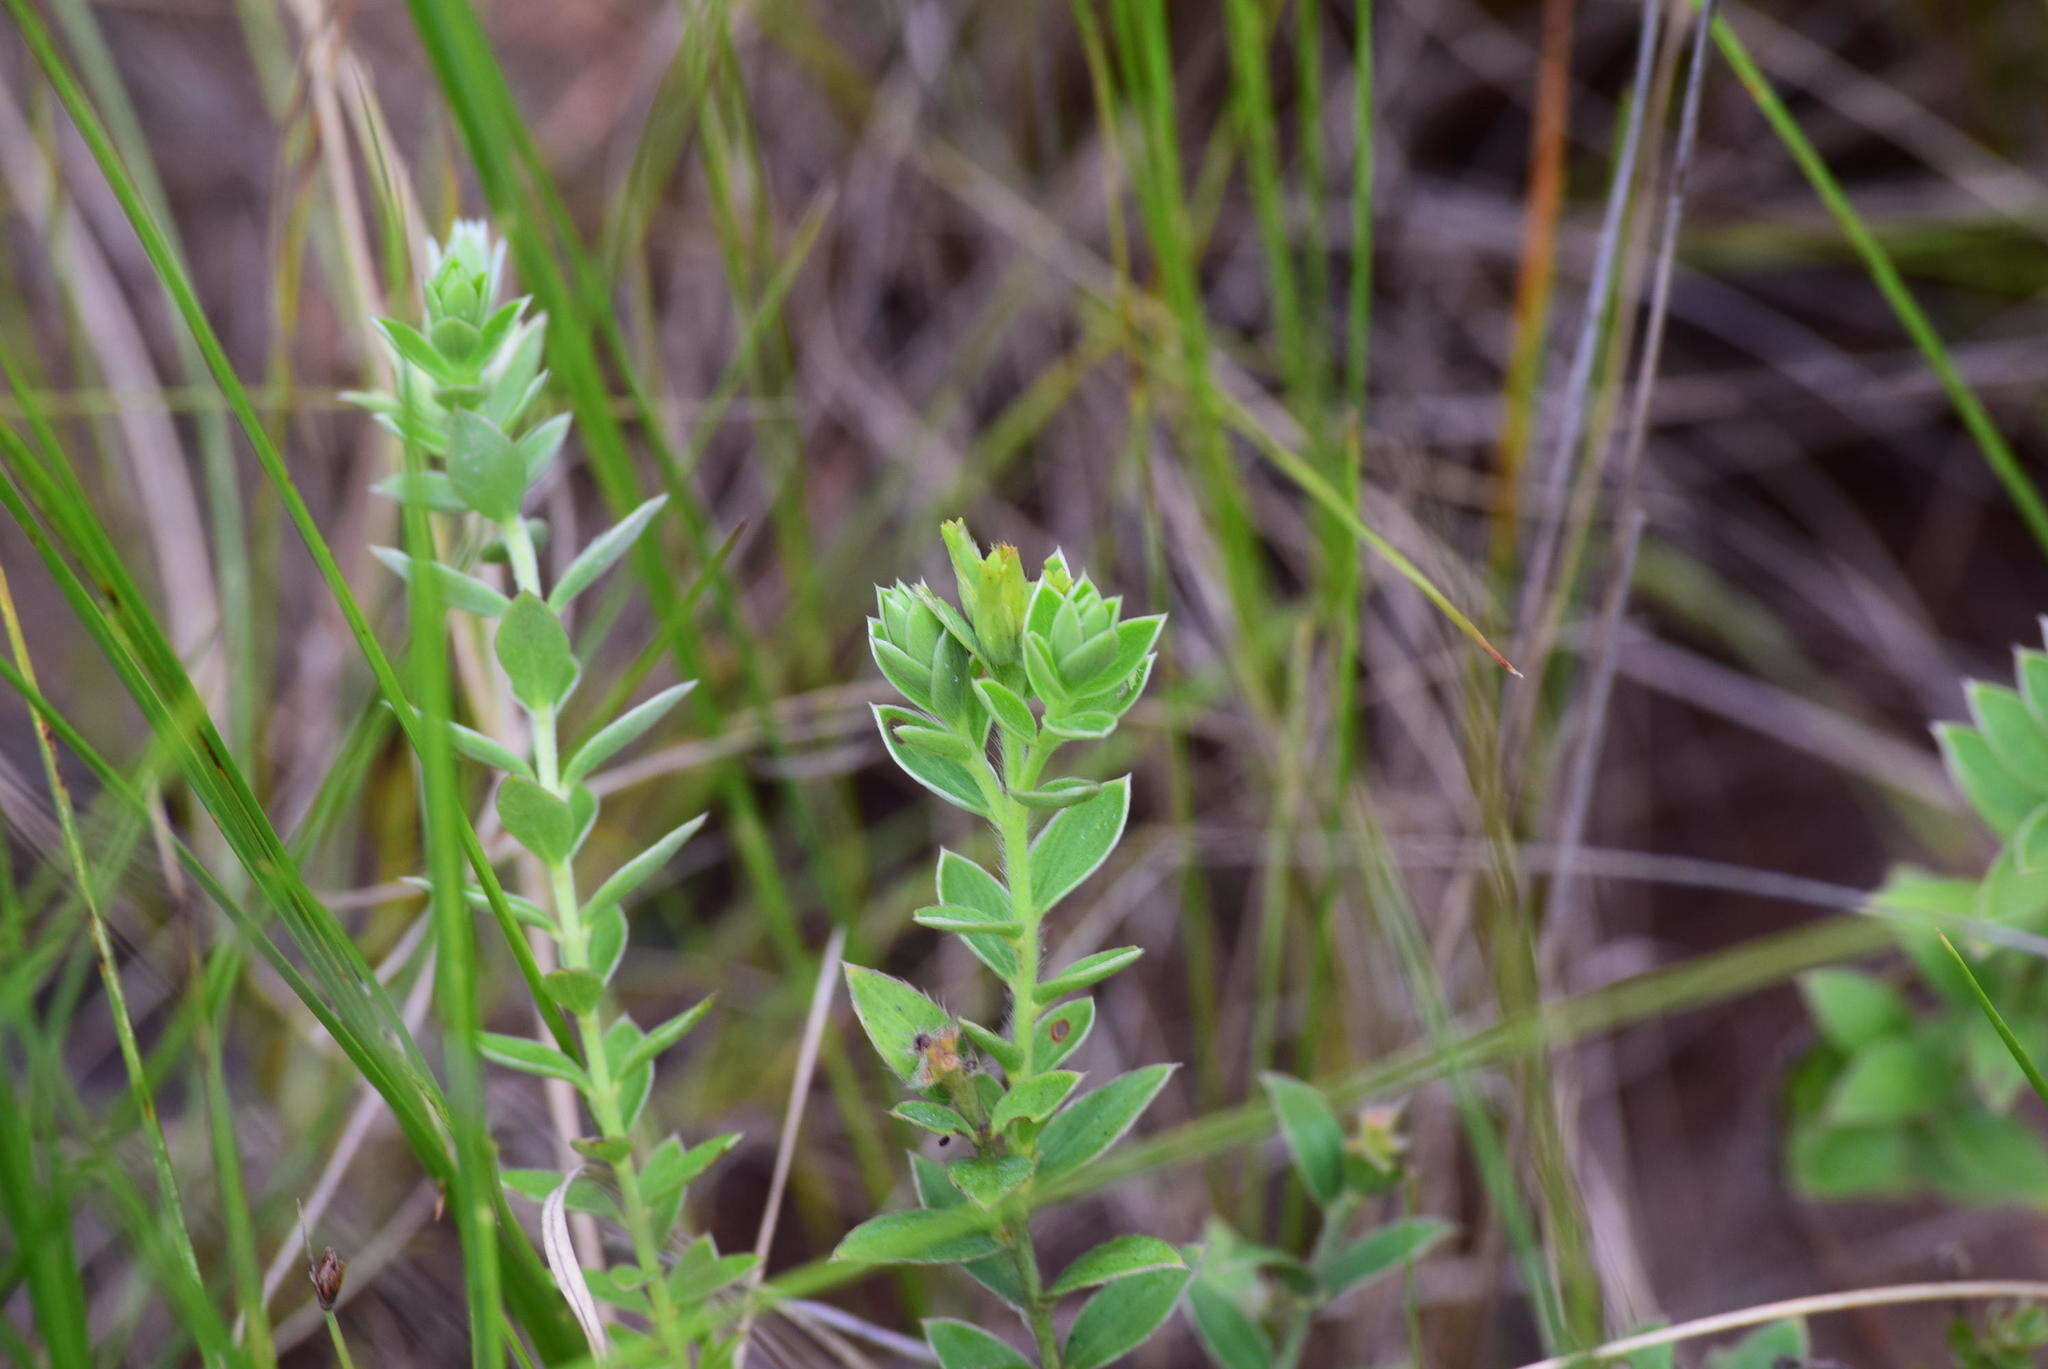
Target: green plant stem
1334 1217
1012 821
341 1354
602 1095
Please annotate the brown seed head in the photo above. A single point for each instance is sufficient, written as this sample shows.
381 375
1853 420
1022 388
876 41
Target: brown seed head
327 1274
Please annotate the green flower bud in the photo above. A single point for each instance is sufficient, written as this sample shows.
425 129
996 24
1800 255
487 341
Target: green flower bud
463 272
1083 659
905 637
992 592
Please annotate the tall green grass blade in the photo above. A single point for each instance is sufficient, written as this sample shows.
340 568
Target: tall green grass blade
1991 1014
1884 273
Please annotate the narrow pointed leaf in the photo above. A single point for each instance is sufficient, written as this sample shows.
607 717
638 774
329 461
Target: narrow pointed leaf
1117 1258
634 873
457 590
1098 1120
1379 1252
669 1033
1086 971
918 1236
936 1118
602 553
622 732
531 1057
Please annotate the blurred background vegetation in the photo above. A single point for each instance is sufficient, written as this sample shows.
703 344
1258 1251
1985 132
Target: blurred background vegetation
1267 314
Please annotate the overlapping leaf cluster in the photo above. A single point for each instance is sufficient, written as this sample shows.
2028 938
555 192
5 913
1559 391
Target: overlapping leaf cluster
1251 1305
996 686
1897 1098
464 385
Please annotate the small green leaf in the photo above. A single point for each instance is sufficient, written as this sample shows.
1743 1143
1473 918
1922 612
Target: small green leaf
1121 1317
2031 667
934 741
1853 1009
536 1184
538 447
609 1149
1061 1032
622 732
622 1042
668 1033
630 876
484 467
602 553
2014 735
949 779
1980 1157
537 820
952 917
996 1273
457 590
960 1346
534 650
1098 1120
1832 1162
2030 842
1232 1339
518 1053
1034 1100
1892 1079
1044 673
1764 1348
962 883
913 679
691 1285
487 750
1314 1138
1134 639
1081 725
1086 971
578 991
1117 1258
949 617
1057 794
1379 1252
455 338
936 1118
893 1014
411 345
1011 713
987 1179
430 490
607 940
918 1236
1998 795
1076 841
671 1168
994 1046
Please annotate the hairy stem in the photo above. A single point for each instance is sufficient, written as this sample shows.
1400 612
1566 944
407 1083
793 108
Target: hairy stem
1012 821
